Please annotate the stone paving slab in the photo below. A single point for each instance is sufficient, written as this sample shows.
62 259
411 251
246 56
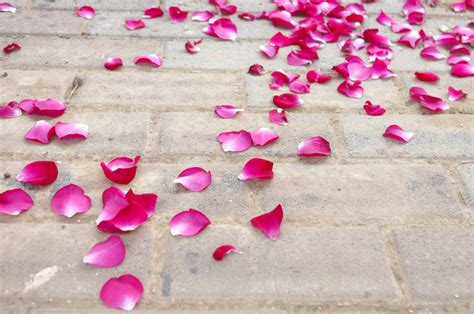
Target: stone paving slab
255 6
96 4
467 175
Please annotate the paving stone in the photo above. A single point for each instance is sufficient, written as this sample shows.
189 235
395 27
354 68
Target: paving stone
256 6
140 311
467 175
55 51
398 194
438 263
96 4
201 129
35 266
10 310
157 88
436 136
350 263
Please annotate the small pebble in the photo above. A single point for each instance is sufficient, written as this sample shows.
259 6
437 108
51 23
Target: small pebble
7 175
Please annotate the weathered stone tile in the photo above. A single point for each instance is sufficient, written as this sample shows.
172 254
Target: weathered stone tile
467 175
96 4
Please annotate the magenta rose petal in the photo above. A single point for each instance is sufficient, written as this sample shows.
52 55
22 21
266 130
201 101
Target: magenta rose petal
147 202
188 223
47 107
373 110
257 168
177 15
314 146
459 7
269 51
152 59
39 173
86 12
70 200
278 116
351 89
246 16
106 254
416 92
121 170
134 24
269 223
263 136
432 53
235 141
314 76
71 131
462 70
10 110
194 179
227 111
397 133
123 292
256 69
42 132
224 250
222 28
11 47
113 63
455 94
427 76
432 103
113 201
299 87
287 101
192 46
202 16
152 12
14 202
7 7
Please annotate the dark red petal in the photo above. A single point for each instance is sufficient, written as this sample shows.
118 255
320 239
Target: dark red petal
152 59
11 47
224 250
177 15
152 12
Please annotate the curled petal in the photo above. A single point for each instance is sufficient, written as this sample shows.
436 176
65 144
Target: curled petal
188 223
286 101
71 130
397 133
152 12
70 200
416 92
269 223
315 76
453 59
257 168
427 76
278 116
314 146
106 254
432 53
358 71
281 77
122 292
300 87
13 202
86 12
269 51
134 24
177 15
192 47
381 70
222 28
235 141
7 7
11 47
385 19
410 39
49 107
455 95
462 70
27 105
39 173
113 201
373 110
194 179
297 59
152 59
42 132
146 202
247 16
432 103
227 111
224 250
113 63
256 69
351 89
400 28
263 136
202 16
281 18
10 110
121 170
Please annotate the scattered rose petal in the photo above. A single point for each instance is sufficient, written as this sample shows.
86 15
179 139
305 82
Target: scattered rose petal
432 103
224 250
300 87
146 202
11 47
106 254
121 170
70 200
458 7
269 51
222 28
134 24
295 58
257 168
427 76
39 173
432 53
71 130
195 179
177 15
315 76
227 9
122 292
269 223
152 12
188 223
462 70
42 132
113 63
287 101
86 12
358 71
278 116
263 136
416 92
380 70
256 69
227 111
13 202
192 46
10 110
314 146
7 7
373 110
202 16
246 16
410 39
47 107
150 59
455 95
351 89
235 141
385 19
397 133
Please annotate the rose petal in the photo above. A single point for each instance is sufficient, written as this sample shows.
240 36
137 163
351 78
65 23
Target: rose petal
247 16
227 9
235 141
455 95
380 70
281 77
71 130
10 110
134 24
227 111
278 116
7 7
458 7
13 202
385 19
11 47
351 89
177 15
416 92
300 87
39 173
188 223
432 103
269 51
224 250
195 179
269 223
462 70
257 168
152 12
192 47
314 146
146 202
70 200
263 136
150 59
432 53
113 63
427 76
358 71
410 39
287 101
373 110
49 107
122 292
318 77
86 12
42 132
453 59
106 254
295 58
256 69
202 16
397 133
222 28
121 170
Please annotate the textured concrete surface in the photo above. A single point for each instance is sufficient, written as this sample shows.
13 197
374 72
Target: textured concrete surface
376 227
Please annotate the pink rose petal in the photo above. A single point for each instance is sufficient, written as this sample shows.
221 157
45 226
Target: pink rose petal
287 101
385 19
315 76
113 63
70 200
224 250
257 168
195 179
247 16
278 116
146 202
7 7
373 110
427 76
263 136
114 201
380 69
432 53
453 59
71 130
227 9
410 39
455 95
106 254
202 16
296 58
121 170
152 12
222 28
152 59
134 24
192 46
11 47
351 89
397 133
39 173
314 146
269 51
122 292
458 7
42 132
227 111
269 223
300 87
416 92
86 12
256 69
462 70
47 107
358 71
13 202
177 15
188 223
235 141
10 110
432 103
